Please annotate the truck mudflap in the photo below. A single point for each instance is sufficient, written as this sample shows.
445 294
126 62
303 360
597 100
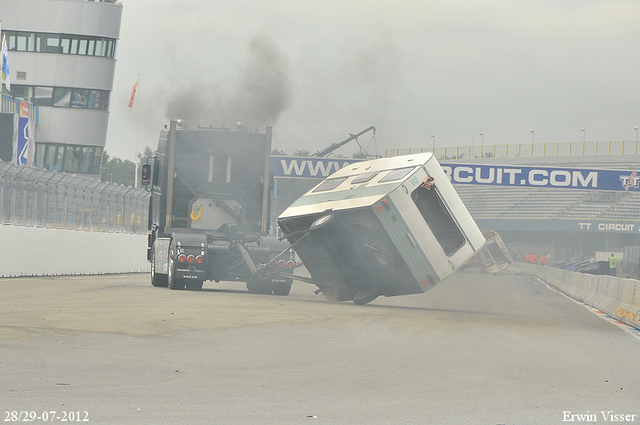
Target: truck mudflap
187 260
190 273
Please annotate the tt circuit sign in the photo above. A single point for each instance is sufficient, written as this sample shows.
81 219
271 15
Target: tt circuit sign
494 175
566 178
590 226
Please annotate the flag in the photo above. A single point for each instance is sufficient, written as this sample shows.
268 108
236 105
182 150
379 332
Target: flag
133 93
5 64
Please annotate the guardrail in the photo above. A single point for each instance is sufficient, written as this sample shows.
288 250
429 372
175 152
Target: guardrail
525 150
38 198
617 297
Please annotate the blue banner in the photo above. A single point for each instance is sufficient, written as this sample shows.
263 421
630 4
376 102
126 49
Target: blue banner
25 148
307 167
565 178
494 175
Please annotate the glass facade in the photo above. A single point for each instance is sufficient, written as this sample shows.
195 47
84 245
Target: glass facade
66 44
62 97
68 158
52 74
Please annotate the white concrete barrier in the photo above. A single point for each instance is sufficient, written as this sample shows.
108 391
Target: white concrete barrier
30 251
617 297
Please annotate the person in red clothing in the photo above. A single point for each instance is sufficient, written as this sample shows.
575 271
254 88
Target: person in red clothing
527 257
543 260
534 258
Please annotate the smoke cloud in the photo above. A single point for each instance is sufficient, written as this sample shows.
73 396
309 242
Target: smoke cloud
258 99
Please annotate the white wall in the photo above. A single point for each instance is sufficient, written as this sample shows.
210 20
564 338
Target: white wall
29 251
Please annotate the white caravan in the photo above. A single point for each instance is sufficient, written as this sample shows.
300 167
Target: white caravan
389 226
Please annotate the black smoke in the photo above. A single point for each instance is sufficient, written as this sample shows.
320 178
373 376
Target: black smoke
258 99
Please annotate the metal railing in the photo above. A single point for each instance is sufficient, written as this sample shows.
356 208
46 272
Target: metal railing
11 105
39 198
525 150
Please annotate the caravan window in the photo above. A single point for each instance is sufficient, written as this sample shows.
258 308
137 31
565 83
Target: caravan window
329 184
364 177
396 175
438 218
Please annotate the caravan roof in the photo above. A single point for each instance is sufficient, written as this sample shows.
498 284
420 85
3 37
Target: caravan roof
358 185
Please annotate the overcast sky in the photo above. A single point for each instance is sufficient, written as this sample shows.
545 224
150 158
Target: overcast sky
317 71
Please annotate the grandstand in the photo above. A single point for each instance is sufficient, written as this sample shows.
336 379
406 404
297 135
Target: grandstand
554 204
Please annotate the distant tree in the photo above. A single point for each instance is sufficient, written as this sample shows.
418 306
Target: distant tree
115 170
359 155
301 152
278 152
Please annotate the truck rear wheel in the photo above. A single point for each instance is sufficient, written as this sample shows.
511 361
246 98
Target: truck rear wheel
194 285
256 286
282 289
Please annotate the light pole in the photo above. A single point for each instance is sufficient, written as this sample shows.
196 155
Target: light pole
532 135
584 136
433 136
636 129
481 144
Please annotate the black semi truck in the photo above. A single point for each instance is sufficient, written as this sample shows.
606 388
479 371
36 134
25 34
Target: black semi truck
209 213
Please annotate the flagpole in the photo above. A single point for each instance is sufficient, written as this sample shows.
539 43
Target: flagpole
138 133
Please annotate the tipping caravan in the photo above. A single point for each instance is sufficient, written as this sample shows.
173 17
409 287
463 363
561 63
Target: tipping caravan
389 226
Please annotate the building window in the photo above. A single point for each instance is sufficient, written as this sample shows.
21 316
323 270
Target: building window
42 96
53 44
66 44
82 50
63 97
69 158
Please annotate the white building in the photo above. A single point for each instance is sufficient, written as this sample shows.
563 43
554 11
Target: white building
62 59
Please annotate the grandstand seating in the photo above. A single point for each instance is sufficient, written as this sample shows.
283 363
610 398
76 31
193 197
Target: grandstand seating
540 203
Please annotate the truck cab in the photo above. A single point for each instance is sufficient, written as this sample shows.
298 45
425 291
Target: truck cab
209 212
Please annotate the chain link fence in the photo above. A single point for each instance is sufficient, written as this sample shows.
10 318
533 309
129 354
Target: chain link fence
38 198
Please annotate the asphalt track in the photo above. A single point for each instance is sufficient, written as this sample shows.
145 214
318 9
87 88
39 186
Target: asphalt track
477 349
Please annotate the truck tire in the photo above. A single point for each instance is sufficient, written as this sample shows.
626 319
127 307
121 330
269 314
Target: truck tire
282 289
256 286
157 280
194 285
173 282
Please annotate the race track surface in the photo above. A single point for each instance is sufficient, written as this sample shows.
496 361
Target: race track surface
477 349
